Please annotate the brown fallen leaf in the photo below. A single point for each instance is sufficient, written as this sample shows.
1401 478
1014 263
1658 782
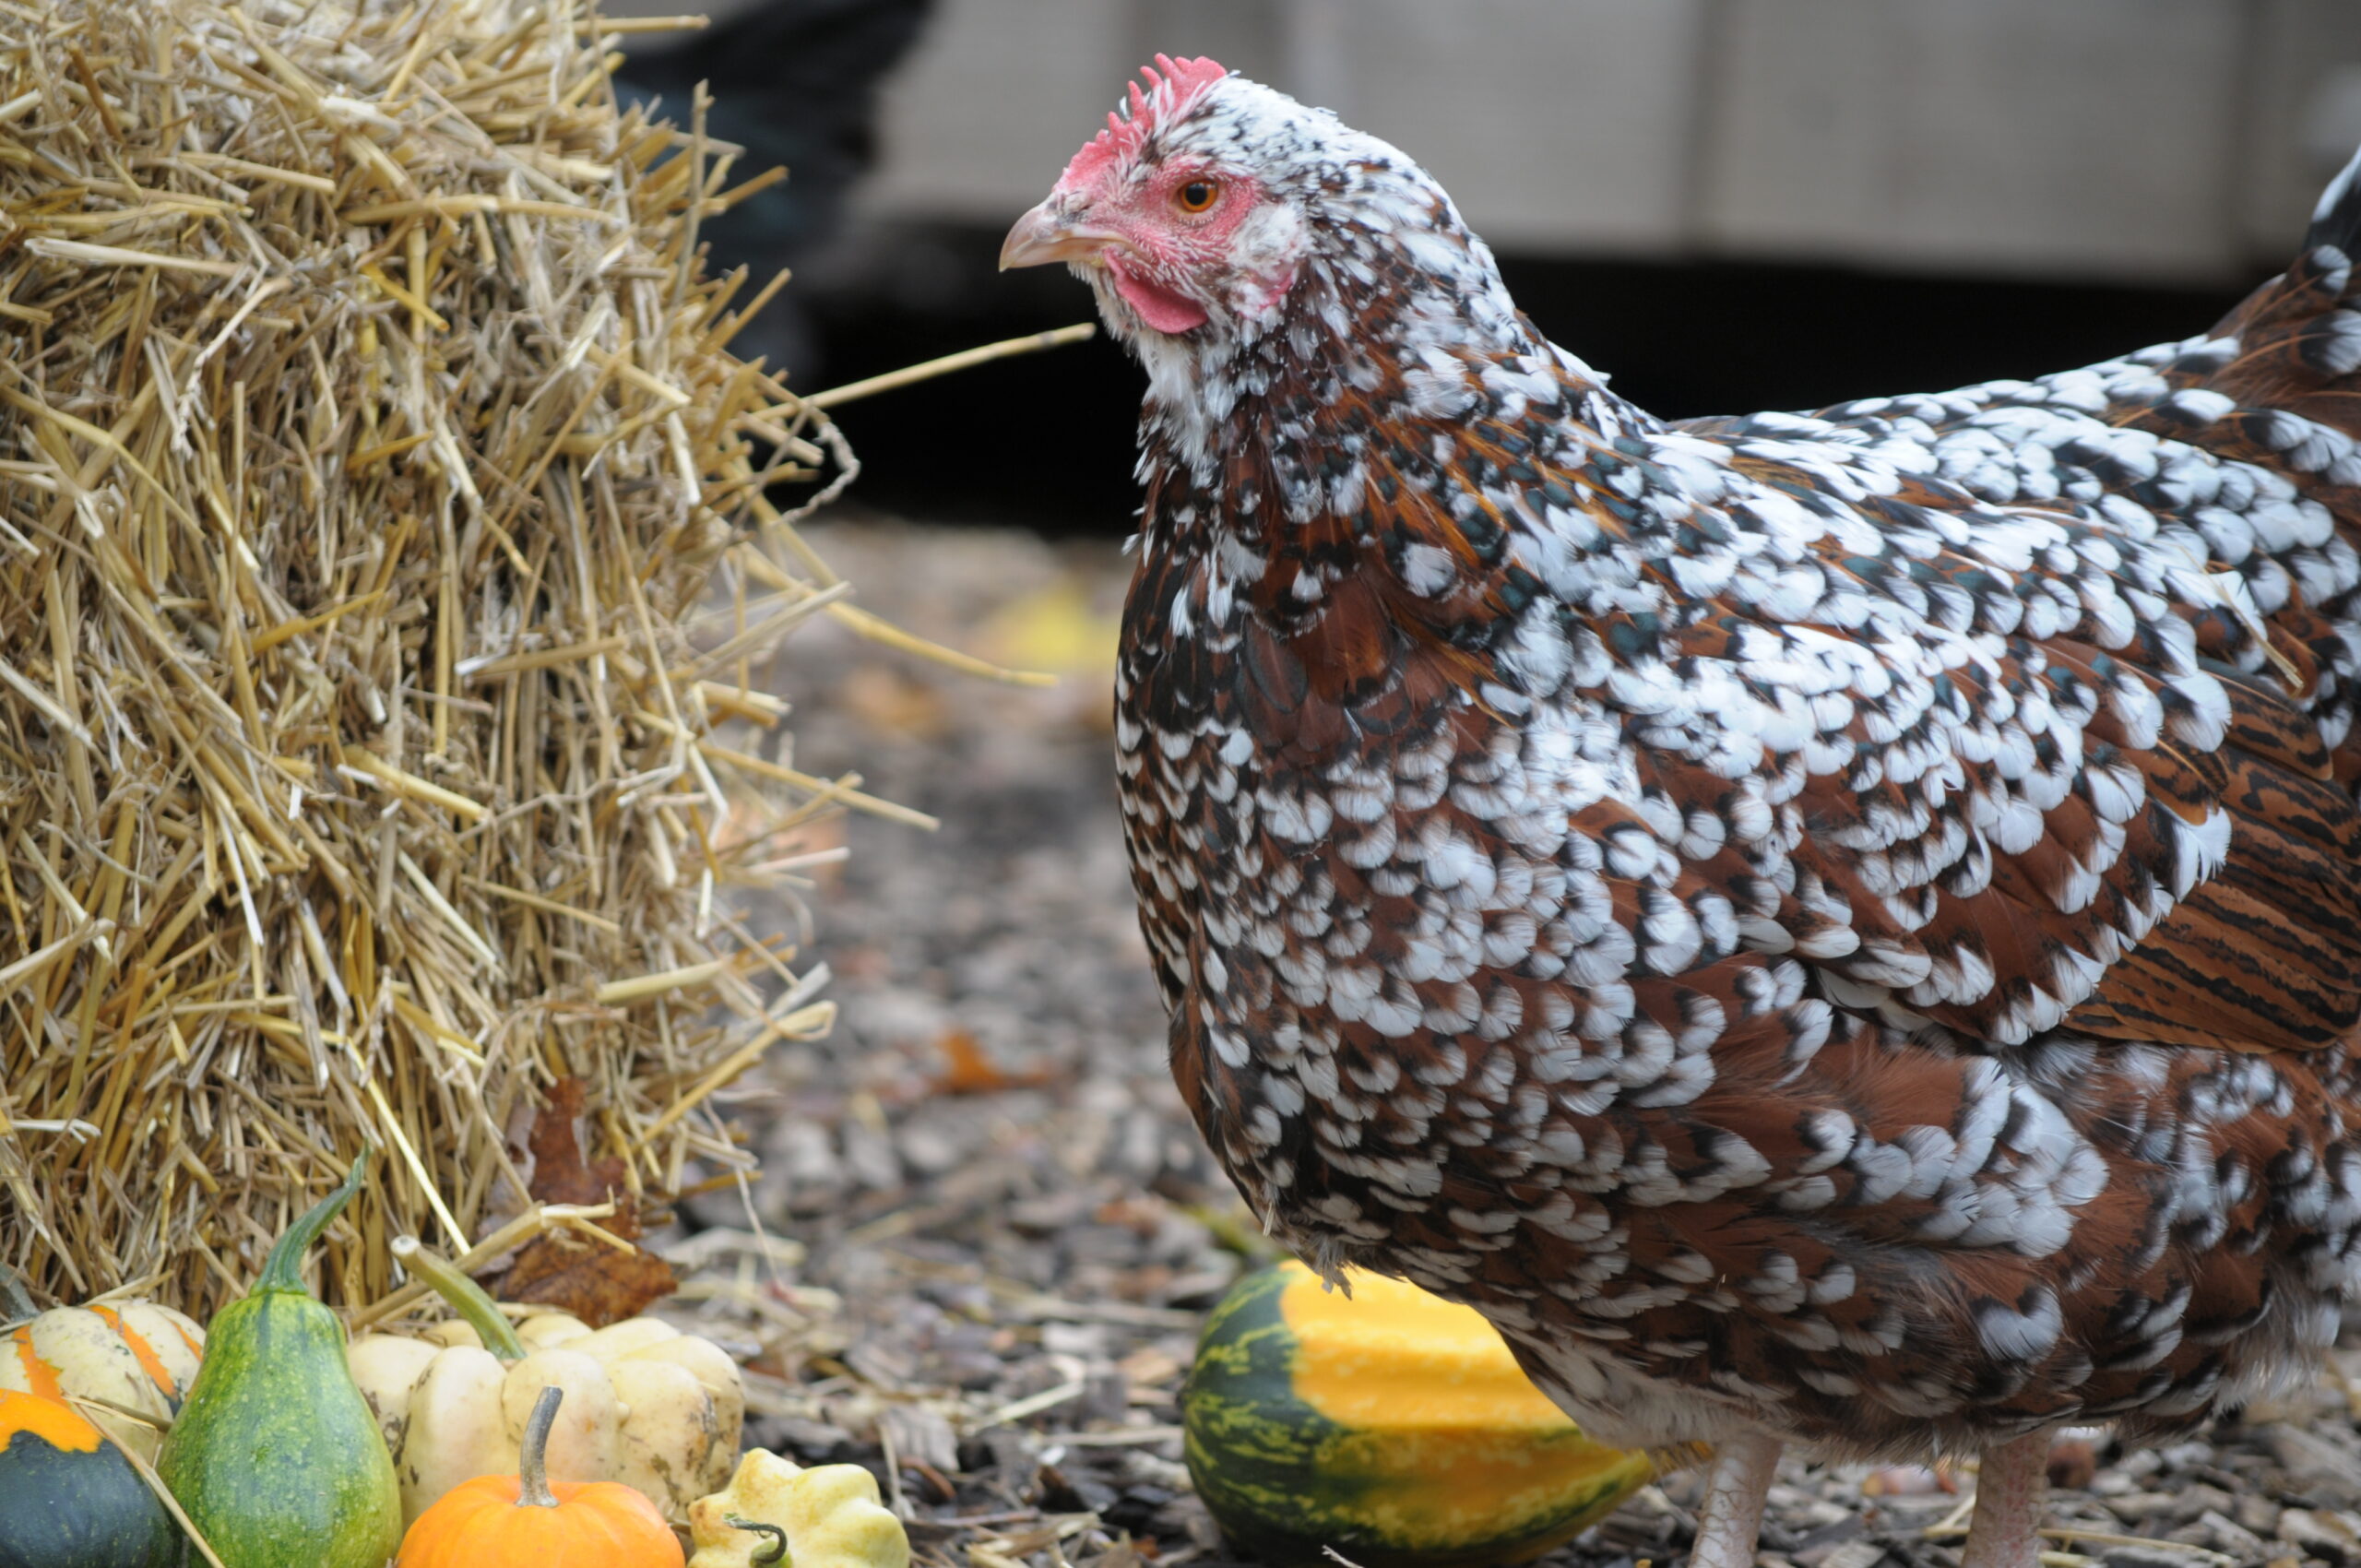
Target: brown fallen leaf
972 1072
596 1283
560 1174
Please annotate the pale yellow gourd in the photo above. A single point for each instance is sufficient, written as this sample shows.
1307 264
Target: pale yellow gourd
644 1403
830 1513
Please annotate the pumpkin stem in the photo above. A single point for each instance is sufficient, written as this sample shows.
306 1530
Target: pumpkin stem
766 1555
532 1474
282 1271
16 1306
465 1297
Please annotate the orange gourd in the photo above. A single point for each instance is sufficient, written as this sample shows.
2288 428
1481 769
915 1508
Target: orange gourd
527 1521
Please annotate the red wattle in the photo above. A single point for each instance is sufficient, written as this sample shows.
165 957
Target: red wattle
1161 309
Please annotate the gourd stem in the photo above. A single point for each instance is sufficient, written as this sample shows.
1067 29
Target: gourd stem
283 1270
466 1298
16 1306
763 1556
532 1472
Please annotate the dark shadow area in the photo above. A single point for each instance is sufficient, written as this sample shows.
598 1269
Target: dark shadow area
794 83
1046 441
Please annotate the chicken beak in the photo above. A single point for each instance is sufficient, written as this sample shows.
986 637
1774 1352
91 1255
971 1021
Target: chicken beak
1041 236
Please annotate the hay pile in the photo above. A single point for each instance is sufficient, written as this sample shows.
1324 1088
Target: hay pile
367 443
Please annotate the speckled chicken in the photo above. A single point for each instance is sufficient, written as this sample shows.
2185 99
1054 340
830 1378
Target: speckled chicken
1839 927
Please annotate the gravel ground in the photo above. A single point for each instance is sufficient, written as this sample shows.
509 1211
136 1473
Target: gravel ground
988 1228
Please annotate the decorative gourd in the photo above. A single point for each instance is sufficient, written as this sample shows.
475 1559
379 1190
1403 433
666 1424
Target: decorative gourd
140 1355
827 1516
646 1404
275 1456
669 1433
1389 1425
68 1499
527 1518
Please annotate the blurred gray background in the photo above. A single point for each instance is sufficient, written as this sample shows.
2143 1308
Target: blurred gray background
2131 140
1727 203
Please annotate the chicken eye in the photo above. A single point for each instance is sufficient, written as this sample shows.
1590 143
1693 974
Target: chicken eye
1197 195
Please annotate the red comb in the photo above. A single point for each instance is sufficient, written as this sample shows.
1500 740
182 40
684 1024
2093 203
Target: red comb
1170 84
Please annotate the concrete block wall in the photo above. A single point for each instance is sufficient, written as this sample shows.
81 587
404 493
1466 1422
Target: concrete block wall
1998 135
2131 139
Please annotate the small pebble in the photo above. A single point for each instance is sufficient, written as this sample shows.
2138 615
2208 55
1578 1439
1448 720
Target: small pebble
2224 1534
2155 1555
2317 1534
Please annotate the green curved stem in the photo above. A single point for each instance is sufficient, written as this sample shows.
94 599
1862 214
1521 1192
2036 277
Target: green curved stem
282 1271
466 1298
766 1555
15 1307
532 1468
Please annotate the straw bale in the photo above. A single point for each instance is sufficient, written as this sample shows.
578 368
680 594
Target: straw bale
368 441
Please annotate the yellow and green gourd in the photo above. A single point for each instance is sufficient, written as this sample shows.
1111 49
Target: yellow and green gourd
1391 1425
69 1499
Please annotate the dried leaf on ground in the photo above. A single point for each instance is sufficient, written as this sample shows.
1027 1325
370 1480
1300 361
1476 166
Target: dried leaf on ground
970 1071
561 1175
597 1283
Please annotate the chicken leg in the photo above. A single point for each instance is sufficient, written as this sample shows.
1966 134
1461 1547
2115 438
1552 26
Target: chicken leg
2005 1531
1730 1516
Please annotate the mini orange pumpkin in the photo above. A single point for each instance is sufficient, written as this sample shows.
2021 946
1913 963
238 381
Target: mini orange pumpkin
527 1521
